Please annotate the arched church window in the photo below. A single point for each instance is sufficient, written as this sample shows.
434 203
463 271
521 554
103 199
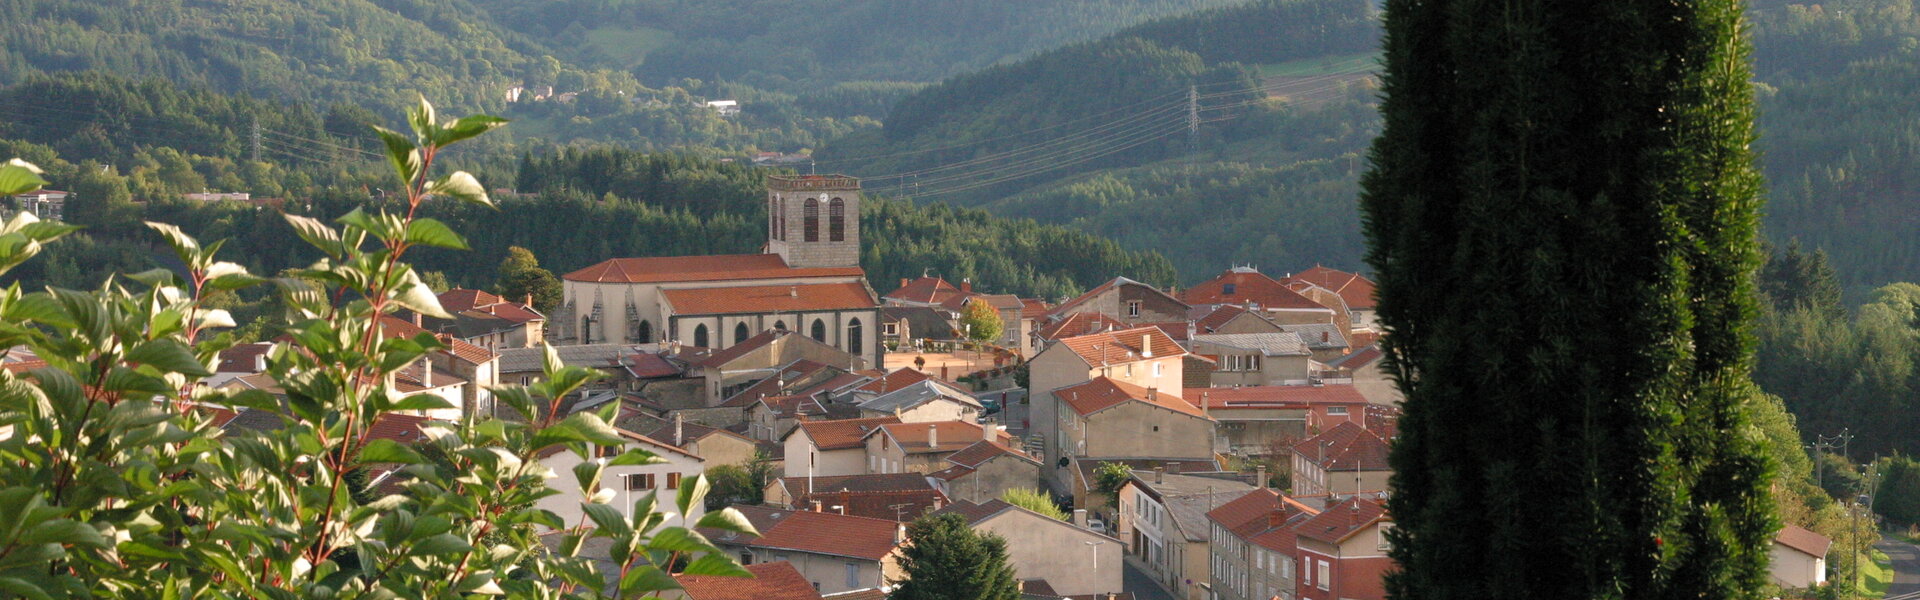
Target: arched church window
739 333
700 335
819 330
853 336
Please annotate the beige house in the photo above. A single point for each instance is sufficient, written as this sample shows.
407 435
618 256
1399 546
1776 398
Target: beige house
1346 459
489 321
724 374
835 553
1144 357
717 446
1247 287
1356 291
1798 558
827 448
1364 370
1247 359
926 401
1130 301
1162 519
1074 561
628 482
809 281
924 447
985 471
1229 318
1110 418
1253 546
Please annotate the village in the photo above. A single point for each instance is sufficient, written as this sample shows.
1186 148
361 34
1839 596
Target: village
1225 441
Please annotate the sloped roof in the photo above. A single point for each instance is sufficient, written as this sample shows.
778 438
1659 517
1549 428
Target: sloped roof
593 356
925 290
1358 359
1357 291
1345 447
1319 336
758 341
827 533
1124 346
1217 318
1000 301
922 321
663 429
1268 344
724 267
239 359
880 482
975 512
1273 396
982 451
769 298
401 428
1103 393
844 433
394 327
896 379
1103 288
648 366
891 496
1342 520
1033 308
1248 286
1804 540
916 394
1081 323
1252 517
770 580
953 436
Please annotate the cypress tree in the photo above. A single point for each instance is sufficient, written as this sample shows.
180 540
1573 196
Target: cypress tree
1562 210
947 560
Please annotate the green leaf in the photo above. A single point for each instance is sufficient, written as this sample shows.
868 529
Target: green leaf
422 118
402 153
19 177
462 186
430 232
692 493
65 532
727 519
168 355
388 451
645 579
317 234
716 564
607 518
414 295
20 587
184 246
444 543
420 402
680 539
466 127
635 456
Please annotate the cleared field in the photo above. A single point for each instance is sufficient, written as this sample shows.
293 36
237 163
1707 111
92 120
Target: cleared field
630 46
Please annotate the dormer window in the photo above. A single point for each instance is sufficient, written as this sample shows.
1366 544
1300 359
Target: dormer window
1226 289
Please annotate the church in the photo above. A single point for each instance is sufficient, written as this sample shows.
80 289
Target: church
808 281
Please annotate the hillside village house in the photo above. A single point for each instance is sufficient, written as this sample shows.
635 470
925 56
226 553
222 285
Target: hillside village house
1355 290
489 321
47 205
1107 418
1250 289
1254 545
892 496
1144 357
1073 560
1797 558
826 448
924 402
1267 420
628 482
1346 459
836 553
1245 359
1163 520
985 471
461 374
1363 369
1342 552
1132 302
924 447
809 281
717 446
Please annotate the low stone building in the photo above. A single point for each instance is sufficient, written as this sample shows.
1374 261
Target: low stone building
1073 560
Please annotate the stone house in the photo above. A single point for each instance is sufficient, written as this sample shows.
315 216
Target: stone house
926 401
1342 552
1265 420
923 447
1346 459
1246 359
1129 301
1355 290
1363 369
892 496
985 471
1144 357
1107 418
827 448
1073 560
489 321
1253 546
718 446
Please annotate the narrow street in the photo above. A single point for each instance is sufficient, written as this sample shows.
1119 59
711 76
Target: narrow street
1142 587
1906 569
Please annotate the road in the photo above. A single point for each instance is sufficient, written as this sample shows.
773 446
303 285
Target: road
1906 569
1136 582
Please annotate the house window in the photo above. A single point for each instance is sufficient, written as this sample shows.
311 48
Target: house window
819 331
837 221
811 220
746 558
1336 410
854 341
639 481
1384 544
891 328
739 333
780 325
673 481
1156 369
1226 290
1133 308
1324 575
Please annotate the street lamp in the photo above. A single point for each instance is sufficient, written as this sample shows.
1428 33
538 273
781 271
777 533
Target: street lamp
1094 548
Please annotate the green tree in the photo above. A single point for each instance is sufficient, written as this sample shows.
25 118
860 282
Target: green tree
1108 478
1034 500
436 281
1898 493
981 321
744 483
521 275
946 560
1794 278
1563 204
101 201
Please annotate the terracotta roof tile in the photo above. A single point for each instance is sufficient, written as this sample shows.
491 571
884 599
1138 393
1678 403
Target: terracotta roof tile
1273 396
756 342
460 299
1358 359
396 327
1033 308
1262 517
1123 346
701 268
23 365
1342 520
648 366
982 451
1078 324
827 533
1218 318
866 594
1243 286
1804 540
896 380
770 580
1345 447
880 482
401 428
893 496
844 433
1069 305
1103 393
240 359
953 436
769 298
925 290
1357 291
975 512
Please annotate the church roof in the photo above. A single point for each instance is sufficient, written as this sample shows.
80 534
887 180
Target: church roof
726 267
769 298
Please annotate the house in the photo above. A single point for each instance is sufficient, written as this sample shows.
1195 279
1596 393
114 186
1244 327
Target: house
1130 301
489 321
827 448
462 373
1084 490
628 482
894 496
809 281
1346 459
923 402
985 471
1327 341
1364 369
928 292
1267 420
47 205
924 447
770 580
1229 318
1249 288
1162 517
725 374
1073 560
1798 558
718 446
835 553
1076 324
1144 357
726 108
912 326
1016 331
1244 359
1356 291
1253 546
1342 552
1108 418
242 359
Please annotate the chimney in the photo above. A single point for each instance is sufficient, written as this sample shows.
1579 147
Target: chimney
1324 336
1175 466
988 429
1113 596
793 291
1020 585
1275 518
679 429
1159 474
260 363
415 316
1080 518
814 505
1260 477
904 281
1146 345
966 285
529 301
933 435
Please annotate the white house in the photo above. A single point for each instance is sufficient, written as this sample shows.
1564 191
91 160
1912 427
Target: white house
1798 558
628 483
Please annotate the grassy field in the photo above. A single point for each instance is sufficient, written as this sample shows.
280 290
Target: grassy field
1321 65
1878 574
630 46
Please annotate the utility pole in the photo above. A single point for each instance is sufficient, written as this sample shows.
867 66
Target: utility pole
255 140
1193 128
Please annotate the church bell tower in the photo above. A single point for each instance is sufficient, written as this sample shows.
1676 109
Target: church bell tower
814 220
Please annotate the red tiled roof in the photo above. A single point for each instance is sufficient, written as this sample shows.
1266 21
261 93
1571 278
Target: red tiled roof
461 299
1103 393
1080 324
925 290
779 384
401 428
1345 447
1249 286
646 366
1101 289
844 433
953 436
770 580
756 342
881 482
1340 521
1218 318
396 327
1033 308
1123 346
1804 540
793 406
982 451
827 533
1174 329
865 594
1359 359
1262 517
769 298
1357 291
701 268
24 365
898 379
1273 396
1001 301
239 359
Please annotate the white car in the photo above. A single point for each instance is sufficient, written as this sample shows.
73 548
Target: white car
1097 525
